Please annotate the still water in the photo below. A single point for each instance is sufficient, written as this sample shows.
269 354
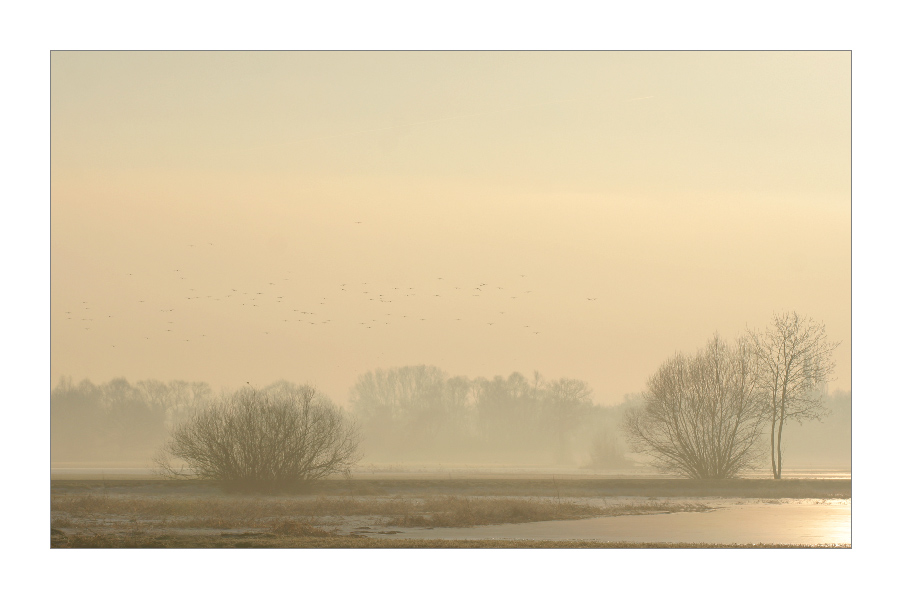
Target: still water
802 522
71 471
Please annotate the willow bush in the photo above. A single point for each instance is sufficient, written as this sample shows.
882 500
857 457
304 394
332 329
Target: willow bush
701 415
283 437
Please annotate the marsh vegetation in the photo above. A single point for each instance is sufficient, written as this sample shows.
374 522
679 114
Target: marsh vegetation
369 512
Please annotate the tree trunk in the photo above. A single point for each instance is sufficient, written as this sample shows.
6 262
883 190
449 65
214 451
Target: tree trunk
773 446
779 473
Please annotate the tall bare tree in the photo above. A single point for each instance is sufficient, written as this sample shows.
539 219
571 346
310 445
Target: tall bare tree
701 414
795 360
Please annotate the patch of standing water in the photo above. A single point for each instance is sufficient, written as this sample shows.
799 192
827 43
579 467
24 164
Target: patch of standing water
784 523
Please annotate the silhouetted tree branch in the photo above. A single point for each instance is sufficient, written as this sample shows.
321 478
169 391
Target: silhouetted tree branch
795 360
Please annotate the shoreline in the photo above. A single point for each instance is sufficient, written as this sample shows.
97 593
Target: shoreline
507 486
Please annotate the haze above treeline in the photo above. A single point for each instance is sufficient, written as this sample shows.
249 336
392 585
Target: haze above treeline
242 218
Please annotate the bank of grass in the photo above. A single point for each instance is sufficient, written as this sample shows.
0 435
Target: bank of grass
103 511
199 514
326 540
455 511
508 487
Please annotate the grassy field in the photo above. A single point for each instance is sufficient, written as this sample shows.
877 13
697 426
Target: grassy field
507 486
362 513
326 541
93 511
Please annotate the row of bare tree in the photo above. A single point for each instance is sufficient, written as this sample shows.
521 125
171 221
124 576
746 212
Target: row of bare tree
704 415
420 413
117 421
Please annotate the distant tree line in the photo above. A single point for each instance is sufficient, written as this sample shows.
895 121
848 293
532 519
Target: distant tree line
713 414
117 421
412 413
421 413
827 443
120 422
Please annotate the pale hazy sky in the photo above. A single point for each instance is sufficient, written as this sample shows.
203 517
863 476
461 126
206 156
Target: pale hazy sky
233 217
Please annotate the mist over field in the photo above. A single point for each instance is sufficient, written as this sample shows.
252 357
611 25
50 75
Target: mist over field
413 418
429 299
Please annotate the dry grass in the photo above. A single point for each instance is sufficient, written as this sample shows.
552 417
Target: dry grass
294 528
457 511
327 541
236 513
180 514
507 487
245 508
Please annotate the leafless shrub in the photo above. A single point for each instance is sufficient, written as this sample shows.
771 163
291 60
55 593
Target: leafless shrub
276 439
702 414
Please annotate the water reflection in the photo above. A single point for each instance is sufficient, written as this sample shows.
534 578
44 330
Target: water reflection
800 522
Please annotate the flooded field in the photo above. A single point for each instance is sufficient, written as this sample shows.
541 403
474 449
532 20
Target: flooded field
513 510
745 522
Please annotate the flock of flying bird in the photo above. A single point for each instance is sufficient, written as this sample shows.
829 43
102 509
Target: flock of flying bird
348 298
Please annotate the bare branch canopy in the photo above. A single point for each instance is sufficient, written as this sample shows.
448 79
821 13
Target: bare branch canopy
701 415
281 437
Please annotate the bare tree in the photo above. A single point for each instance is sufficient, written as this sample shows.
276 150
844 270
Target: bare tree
701 415
278 438
566 404
795 360
409 410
